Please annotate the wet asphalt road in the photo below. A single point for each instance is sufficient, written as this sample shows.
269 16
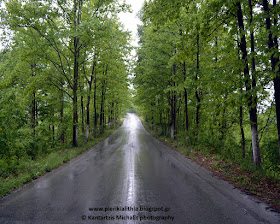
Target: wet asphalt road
136 179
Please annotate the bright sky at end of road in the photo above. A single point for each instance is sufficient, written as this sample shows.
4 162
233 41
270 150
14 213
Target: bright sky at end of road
130 20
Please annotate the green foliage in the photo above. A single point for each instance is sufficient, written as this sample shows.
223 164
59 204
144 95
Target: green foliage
190 69
271 154
22 171
4 168
53 50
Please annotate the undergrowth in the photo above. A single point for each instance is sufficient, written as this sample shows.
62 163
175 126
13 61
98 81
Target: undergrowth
28 169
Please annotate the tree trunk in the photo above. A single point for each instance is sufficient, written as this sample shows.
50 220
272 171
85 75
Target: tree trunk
95 109
242 131
185 95
111 115
173 115
62 117
251 106
53 132
152 116
88 117
160 122
172 126
33 113
224 121
75 89
102 105
275 24
254 78
88 100
33 105
76 53
241 114
82 107
241 119
186 103
173 104
273 46
186 110
101 110
75 108
197 94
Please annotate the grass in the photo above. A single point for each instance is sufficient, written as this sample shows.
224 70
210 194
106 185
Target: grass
32 169
253 180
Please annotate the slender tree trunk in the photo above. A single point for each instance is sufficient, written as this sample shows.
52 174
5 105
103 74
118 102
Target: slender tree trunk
224 121
185 94
75 108
179 124
62 117
77 20
104 117
252 108
216 45
254 78
88 103
83 117
173 105
160 121
33 105
101 110
95 109
152 116
197 94
117 111
75 80
275 24
53 132
241 114
273 46
197 113
75 98
33 113
241 120
89 81
88 118
186 103
242 131
111 114
186 111
173 115
102 105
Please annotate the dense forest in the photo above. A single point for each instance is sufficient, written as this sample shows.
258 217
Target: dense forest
64 75
207 74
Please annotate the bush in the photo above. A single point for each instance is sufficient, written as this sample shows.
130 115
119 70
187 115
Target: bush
13 164
270 154
4 169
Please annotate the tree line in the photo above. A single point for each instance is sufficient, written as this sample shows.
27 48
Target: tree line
63 71
207 73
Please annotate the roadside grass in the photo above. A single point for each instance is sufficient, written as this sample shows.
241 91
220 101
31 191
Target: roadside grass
257 181
32 169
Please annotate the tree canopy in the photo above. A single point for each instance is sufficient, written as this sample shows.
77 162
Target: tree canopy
208 73
63 73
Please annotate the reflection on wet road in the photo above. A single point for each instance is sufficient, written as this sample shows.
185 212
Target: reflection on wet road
132 178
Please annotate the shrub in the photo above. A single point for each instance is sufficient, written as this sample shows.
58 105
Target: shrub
4 168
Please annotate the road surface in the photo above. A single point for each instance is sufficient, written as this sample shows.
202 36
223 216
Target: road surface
132 178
